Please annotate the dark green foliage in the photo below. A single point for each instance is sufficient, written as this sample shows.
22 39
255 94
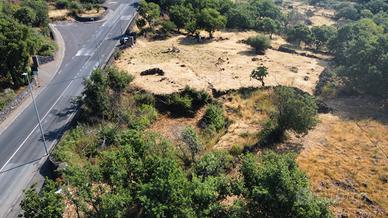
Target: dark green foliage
360 51
144 98
192 144
300 33
61 4
40 8
25 15
268 26
322 35
260 43
96 95
214 118
211 20
296 111
239 17
259 74
181 15
214 164
118 80
48 203
185 103
150 12
275 187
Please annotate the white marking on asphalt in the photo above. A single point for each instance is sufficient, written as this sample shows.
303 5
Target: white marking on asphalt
33 130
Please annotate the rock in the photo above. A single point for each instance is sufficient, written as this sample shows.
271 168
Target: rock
367 200
153 71
306 78
255 59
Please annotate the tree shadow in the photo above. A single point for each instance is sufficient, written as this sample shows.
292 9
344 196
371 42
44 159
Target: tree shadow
359 108
249 53
191 40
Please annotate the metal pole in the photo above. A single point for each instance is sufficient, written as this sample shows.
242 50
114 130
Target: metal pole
37 115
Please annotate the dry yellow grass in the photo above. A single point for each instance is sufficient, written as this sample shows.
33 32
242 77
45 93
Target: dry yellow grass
345 162
220 65
247 116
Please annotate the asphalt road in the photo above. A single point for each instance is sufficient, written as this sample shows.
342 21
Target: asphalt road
88 46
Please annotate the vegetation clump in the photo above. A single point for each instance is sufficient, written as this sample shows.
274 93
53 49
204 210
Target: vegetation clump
185 103
260 43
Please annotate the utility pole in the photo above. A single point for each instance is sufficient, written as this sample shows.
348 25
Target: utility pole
37 113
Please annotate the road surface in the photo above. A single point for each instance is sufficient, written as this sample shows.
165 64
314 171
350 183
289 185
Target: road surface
88 46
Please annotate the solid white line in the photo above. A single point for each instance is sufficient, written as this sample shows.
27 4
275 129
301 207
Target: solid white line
25 140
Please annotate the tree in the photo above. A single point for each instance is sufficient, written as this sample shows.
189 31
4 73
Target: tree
296 111
16 46
48 203
259 74
299 33
96 96
240 17
211 20
25 15
40 8
268 26
360 54
192 142
260 43
275 187
181 15
322 35
150 12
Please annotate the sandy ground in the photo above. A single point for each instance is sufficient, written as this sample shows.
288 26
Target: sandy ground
345 158
321 16
220 65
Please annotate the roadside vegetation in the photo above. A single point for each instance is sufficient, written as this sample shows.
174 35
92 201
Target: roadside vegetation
23 32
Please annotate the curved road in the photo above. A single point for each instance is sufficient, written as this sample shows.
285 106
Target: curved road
88 46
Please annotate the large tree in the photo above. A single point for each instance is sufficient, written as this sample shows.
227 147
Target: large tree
211 20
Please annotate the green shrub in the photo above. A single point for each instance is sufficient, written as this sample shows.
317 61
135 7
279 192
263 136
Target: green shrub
61 4
143 117
214 118
185 103
6 98
236 150
144 98
214 164
260 43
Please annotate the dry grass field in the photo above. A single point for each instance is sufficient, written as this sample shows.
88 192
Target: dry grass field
219 64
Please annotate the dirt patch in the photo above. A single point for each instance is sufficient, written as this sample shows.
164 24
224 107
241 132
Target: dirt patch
346 162
219 64
93 12
318 16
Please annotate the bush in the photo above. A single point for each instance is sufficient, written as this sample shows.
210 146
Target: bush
6 98
276 187
214 164
144 99
61 4
185 103
260 43
214 118
143 117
